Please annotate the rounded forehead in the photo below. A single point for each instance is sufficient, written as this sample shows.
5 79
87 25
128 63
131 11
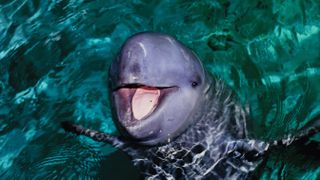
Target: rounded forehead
144 45
150 38
159 48
155 59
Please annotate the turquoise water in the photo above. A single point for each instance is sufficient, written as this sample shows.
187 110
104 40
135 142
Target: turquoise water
54 56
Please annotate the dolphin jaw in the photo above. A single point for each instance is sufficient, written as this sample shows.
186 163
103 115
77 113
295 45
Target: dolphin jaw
135 103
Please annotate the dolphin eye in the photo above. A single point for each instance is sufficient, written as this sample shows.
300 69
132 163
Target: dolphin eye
195 81
194 84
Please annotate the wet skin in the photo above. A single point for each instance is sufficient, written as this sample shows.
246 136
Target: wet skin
154 63
175 119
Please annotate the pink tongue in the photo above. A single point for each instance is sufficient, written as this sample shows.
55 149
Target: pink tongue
144 101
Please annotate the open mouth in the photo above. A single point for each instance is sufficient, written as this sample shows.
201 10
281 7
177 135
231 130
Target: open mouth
136 102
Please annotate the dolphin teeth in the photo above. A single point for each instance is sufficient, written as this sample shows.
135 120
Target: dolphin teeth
144 101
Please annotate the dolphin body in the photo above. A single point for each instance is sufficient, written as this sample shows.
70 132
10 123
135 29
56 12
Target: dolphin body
176 121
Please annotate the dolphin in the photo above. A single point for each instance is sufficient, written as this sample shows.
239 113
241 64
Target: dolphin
176 121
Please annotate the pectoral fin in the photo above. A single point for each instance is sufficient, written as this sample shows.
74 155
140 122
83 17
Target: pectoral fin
302 137
95 135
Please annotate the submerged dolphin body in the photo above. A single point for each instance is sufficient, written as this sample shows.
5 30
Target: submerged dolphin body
175 120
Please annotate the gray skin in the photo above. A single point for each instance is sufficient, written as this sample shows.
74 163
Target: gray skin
198 128
157 60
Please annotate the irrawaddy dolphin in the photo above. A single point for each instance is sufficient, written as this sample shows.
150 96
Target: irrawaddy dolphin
175 120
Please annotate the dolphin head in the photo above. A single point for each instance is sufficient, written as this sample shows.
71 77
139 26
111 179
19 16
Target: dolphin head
157 86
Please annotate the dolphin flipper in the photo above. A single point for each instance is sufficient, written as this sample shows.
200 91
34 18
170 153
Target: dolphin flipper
310 129
95 135
302 137
253 149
